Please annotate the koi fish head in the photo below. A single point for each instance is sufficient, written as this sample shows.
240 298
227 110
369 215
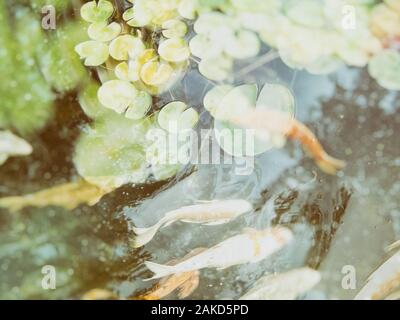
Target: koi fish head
242 205
280 235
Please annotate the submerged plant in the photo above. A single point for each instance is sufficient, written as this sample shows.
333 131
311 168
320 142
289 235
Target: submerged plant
226 99
38 66
26 97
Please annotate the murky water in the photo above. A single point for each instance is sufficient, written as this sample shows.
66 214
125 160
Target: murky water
348 219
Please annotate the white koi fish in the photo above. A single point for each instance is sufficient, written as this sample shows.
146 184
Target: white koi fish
383 281
249 247
209 213
283 286
185 282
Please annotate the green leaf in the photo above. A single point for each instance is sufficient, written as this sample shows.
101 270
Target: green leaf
385 68
140 106
243 45
97 11
90 103
26 97
241 142
214 97
126 46
169 115
174 50
174 29
94 53
59 62
102 31
216 68
237 101
117 95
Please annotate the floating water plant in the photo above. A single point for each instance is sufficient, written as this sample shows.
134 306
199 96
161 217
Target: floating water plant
223 101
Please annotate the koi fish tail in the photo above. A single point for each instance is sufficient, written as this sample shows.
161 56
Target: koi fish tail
324 161
159 270
145 235
330 165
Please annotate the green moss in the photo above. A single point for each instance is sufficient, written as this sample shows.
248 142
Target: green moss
35 63
59 63
26 98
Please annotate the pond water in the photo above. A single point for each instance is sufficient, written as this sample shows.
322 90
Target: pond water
340 220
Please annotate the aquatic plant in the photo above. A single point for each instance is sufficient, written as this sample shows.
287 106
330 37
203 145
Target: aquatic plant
128 64
127 49
26 97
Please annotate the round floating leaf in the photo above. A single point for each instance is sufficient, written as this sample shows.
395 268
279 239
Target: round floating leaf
325 65
174 50
188 119
301 48
146 56
203 47
128 71
126 46
168 117
385 68
90 103
102 31
174 29
154 73
138 16
243 45
309 13
277 97
254 21
214 97
117 95
385 22
128 14
187 9
243 142
113 152
95 53
237 101
352 53
97 12
140 106
216 68
214 23
233 139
